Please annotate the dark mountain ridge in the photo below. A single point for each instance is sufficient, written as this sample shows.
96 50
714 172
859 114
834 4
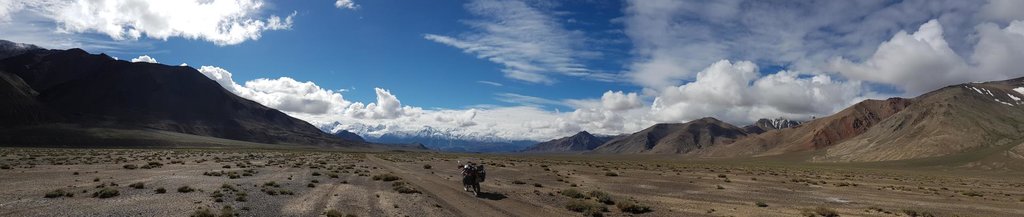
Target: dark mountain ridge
78 89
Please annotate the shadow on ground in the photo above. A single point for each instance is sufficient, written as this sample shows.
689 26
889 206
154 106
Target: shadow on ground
491 196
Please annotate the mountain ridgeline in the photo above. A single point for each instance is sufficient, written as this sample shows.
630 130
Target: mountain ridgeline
582 141
965 123
665 138
73 98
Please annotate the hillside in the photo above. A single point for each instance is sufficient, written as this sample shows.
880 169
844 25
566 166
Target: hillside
65 90
582 141
674 138
948 121
819 133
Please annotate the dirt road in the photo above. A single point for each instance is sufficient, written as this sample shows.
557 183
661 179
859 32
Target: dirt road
492 201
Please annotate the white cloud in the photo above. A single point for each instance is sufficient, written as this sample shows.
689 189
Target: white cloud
283 93
223 22
673 40
917 62
735 93
496 84
529 43
1003 10
525 100
999 52
144 58
924 61
346 4
386 107
619 101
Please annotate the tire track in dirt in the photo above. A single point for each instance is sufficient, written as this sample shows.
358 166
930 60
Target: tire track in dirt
455 198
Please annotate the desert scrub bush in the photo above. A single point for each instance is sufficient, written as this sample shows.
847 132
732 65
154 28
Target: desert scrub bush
138 185
586 206
973 194
311 185
819 211
572 193
518 182
58 193
427 166
760 204
538 185
106 193
333 213
316 174
602 197
272 184
385 177
130 166
404 188
5 167
185 189
204 212
915 213
632 207
610 173
160 190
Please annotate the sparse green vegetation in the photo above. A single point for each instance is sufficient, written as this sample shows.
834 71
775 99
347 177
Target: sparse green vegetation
915 213
404 188
138 185
385 177
602 197
106 193
185 189
760 204
58 193
819 211
572 193
632 207
589 208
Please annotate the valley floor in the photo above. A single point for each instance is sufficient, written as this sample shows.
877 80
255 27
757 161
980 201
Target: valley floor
80 182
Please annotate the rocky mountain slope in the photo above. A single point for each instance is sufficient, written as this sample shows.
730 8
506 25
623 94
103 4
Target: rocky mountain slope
582 141
674 138
814 134
67 90
764 125
952 120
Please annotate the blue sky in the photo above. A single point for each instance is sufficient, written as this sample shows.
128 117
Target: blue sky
539 69
381 44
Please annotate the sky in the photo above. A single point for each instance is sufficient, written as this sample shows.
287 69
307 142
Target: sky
539 69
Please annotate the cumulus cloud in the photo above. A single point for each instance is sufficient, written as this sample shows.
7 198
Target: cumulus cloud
924 61
529 43
283 93
735 93
346 4
917 62
673 40
619 101
223 22
386 107
144 58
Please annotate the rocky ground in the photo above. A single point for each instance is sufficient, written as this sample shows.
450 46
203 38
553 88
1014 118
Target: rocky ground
94 182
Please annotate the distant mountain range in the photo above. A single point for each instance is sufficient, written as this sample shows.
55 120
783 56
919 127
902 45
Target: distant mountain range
969 122
582 141
449 140
73 98
664 138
